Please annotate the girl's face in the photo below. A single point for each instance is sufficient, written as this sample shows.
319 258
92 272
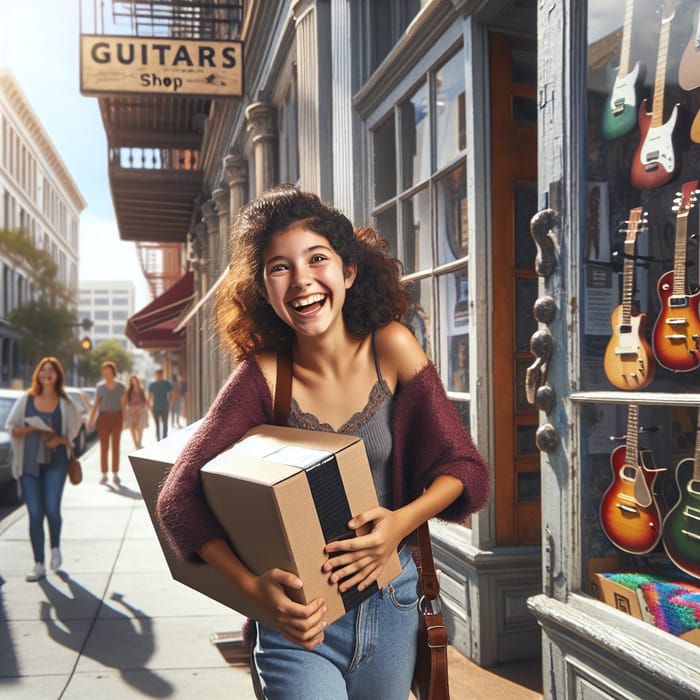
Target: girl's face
305 280
47 374
107 373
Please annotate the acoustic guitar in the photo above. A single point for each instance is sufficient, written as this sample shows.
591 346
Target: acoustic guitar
654 162
629 362
630 511
676 335
620 111
681 527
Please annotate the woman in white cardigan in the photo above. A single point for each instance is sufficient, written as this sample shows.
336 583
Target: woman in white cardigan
43 424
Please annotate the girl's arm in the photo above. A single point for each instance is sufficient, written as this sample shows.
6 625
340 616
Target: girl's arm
300 624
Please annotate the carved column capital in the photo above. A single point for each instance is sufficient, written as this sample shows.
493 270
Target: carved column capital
210 216
220 197
261 121
235 170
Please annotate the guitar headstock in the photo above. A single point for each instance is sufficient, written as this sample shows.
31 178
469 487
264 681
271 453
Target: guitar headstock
636 221
685 200
668 11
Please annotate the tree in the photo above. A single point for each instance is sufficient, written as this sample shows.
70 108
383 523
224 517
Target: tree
90 363
45 321
46 331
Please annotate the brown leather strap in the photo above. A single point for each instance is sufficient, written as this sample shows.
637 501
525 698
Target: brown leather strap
283 388
429 580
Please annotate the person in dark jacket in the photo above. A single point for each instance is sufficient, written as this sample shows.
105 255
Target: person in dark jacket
303 282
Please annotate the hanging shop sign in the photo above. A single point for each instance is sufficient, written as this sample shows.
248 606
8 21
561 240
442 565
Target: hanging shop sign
165 66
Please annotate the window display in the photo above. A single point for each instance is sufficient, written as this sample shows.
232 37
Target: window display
640 324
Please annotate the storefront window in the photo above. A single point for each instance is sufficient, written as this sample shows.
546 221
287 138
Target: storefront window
640 327
423 196
384 160
452 218
416 240
449 111
415 138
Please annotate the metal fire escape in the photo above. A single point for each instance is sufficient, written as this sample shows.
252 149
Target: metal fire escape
155 140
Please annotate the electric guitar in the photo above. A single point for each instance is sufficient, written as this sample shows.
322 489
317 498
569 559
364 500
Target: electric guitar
630 512
681 527
689 67
676 336
654 162
629 362
620 111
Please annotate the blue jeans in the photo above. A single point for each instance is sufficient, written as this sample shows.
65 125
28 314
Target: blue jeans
43 494
370 652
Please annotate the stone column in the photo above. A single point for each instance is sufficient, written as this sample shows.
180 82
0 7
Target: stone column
261 126
211 221
314 73
221 201
236 175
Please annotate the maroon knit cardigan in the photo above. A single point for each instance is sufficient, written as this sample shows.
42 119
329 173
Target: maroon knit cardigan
429 439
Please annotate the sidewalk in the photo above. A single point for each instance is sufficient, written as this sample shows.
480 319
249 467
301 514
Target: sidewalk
113 624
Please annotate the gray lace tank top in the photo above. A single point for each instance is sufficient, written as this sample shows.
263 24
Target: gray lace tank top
372 424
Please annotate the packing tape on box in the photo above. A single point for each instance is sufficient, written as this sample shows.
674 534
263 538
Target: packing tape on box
333 510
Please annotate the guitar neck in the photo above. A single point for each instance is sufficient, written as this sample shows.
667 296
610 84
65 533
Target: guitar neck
657 110
679 256
696 460
632 442
626 40
628 282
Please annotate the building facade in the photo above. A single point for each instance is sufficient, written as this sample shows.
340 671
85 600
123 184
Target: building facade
108 305
39 196
522 159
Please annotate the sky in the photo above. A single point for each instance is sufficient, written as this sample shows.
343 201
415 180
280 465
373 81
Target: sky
39 42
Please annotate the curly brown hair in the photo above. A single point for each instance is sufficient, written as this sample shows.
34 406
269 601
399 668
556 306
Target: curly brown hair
247 323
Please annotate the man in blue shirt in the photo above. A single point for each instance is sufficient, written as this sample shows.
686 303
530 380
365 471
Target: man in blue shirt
159 401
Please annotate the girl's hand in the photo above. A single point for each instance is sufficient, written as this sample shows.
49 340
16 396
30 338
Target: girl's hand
362 558
301 624
56 440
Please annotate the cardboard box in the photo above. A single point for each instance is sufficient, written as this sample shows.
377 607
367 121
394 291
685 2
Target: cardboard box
610 592
296 490
275 513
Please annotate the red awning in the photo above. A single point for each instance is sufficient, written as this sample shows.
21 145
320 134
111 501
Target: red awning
153 328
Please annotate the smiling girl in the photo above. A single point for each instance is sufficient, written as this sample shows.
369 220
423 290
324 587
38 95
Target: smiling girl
303 283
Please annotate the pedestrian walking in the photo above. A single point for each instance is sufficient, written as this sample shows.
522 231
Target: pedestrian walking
110 419
304 284
43 424
177 399
159 401
135 407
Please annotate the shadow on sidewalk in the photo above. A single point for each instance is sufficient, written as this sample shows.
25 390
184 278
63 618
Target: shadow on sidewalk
125 492
127 647
8 657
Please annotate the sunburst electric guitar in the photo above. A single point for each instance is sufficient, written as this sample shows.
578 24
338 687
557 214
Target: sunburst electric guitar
620 111
676 335
630 510
654 162
681 527
629 362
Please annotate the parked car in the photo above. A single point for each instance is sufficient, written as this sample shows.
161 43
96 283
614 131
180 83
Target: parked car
82 403
10 492
91 393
